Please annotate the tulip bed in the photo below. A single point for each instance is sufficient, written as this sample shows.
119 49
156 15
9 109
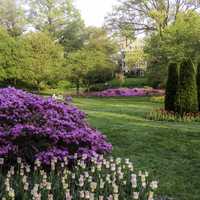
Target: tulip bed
128 92
102 179
164 115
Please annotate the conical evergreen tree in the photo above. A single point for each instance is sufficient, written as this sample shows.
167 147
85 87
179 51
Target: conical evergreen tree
198 83
187 98
172 86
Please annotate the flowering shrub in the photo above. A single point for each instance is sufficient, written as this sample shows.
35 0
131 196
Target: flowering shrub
128 92
34 127
163 115
104 179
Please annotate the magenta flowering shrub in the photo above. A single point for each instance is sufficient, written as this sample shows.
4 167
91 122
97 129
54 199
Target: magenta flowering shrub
128 92
33 127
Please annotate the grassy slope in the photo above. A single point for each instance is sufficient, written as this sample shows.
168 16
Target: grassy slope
170 151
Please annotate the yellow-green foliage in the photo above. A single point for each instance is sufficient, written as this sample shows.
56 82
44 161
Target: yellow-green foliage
42 60
158 99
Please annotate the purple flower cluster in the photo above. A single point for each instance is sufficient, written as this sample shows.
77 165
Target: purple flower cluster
128 92
33 127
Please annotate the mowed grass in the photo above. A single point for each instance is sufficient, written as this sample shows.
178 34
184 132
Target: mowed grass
169 151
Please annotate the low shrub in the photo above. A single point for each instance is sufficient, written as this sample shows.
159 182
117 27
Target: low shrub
138 82
163 115
34 127
103 179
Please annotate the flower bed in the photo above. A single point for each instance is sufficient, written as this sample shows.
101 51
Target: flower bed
163 115
128 92
34 127
103 179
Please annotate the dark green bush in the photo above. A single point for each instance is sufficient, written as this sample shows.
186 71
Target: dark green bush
186 99
99 87
99 75
171 86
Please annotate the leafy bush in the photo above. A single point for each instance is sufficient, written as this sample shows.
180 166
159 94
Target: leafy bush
171 116
187 99
103 179
33 127
172 86
100 74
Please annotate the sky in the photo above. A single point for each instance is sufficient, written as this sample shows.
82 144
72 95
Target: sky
94 11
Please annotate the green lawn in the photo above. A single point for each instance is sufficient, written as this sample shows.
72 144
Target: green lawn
170 151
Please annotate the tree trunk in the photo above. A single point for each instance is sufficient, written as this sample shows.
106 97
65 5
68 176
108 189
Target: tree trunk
77 88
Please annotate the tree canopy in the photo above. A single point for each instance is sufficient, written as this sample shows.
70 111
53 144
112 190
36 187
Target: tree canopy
179 41
146 16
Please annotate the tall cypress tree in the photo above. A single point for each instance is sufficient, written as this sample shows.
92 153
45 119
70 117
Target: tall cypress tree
171 87
187 98
198 83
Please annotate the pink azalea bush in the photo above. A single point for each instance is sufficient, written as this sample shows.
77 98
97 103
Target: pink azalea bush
128 92
33 127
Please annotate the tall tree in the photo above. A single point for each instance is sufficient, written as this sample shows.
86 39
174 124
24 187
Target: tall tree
147 15
52 15
42 60
172 86
198 83
93 63
179 40
73 35
12 16
98 39
187 99
7 58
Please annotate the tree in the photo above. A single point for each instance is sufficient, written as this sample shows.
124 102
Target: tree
43 60
135 58
52 15
186 99
98 39
12 16
78 64
6 47
10 57
157 61
93 63
147 16
171 86
198 83
180 40
73 35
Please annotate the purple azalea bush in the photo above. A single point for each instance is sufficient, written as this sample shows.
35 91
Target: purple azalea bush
128 92
33 127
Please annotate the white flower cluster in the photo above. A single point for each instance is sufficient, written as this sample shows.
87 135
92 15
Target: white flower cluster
58 97
99 179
